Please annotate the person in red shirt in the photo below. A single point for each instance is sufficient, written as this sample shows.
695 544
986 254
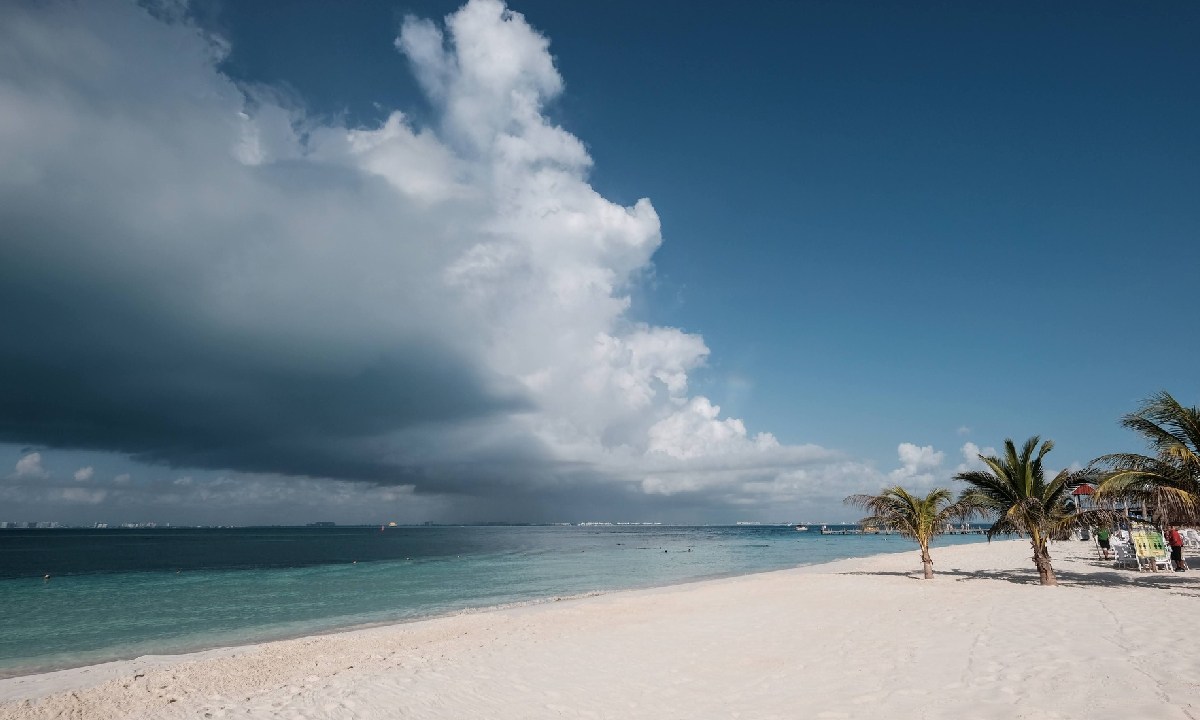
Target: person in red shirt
1175 540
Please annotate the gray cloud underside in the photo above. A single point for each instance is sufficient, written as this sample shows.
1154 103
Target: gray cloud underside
102 370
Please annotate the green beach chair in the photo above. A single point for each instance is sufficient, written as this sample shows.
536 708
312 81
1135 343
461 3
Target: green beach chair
1150 549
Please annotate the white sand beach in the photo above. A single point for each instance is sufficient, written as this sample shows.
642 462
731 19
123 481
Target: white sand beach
862 638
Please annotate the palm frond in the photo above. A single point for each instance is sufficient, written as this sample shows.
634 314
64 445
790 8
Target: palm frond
1159 437
1003 526
1167 484
1010 455
1165 411
996 486
1063 483
1125 461
912 516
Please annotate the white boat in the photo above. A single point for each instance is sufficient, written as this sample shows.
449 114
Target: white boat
801 528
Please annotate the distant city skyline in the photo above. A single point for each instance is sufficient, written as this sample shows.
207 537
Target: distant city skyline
555 262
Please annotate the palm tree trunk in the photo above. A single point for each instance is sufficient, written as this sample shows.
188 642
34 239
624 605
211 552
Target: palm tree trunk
926 560
1041 559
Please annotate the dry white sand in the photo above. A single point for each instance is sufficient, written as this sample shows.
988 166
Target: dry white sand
860 638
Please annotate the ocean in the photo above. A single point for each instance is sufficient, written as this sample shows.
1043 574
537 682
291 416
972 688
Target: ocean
115 594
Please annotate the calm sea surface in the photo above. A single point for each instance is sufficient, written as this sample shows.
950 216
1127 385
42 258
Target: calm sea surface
118 594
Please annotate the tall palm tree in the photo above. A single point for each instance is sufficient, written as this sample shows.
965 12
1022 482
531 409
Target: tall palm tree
1166 484
1015 491
913 517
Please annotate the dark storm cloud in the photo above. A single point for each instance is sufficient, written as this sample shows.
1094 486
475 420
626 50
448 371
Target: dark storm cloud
164 299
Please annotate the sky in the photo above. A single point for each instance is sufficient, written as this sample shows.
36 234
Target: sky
559 262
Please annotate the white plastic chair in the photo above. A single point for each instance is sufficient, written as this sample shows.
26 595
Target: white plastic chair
1191 539
1125 555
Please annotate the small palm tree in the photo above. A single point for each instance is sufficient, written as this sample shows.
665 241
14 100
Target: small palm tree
913 517
1014 490
1166 484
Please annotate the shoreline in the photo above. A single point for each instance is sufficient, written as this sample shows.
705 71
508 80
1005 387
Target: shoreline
186 649
703 635
203 649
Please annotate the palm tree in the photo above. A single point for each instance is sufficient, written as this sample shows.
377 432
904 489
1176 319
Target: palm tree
913 517
1167 484
1014 490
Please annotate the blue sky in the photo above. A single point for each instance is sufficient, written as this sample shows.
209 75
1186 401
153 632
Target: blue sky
925 223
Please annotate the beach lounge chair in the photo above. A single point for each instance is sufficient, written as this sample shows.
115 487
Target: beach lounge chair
1191 539
1126 557
1150 549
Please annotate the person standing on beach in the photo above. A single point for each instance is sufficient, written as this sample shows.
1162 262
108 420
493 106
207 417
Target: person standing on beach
1175 540
1102 537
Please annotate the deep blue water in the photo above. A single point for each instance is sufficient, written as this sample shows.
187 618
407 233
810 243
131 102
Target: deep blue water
116 594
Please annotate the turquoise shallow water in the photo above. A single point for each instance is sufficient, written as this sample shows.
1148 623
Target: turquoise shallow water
120 594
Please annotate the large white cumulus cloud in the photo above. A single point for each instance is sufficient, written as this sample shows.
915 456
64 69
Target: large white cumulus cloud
203 275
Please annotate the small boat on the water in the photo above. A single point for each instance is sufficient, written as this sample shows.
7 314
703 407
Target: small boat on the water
801 528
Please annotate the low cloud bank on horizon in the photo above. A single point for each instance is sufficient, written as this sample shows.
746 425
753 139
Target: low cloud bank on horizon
197 274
